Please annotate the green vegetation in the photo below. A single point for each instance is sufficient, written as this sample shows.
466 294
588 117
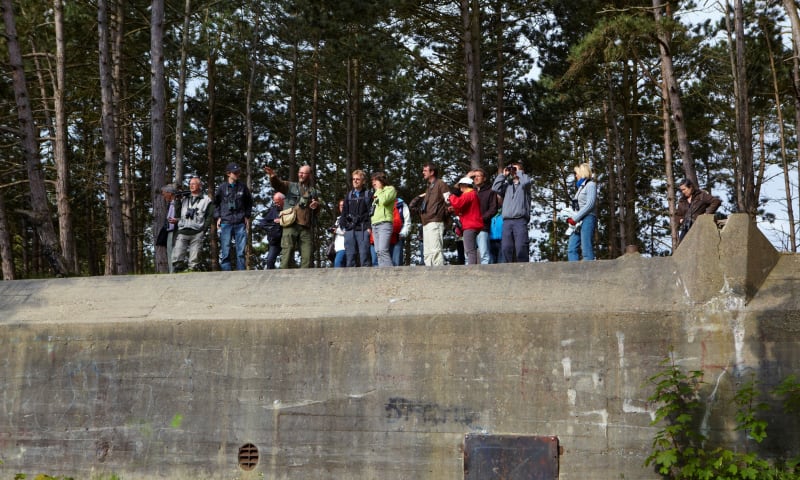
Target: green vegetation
680 448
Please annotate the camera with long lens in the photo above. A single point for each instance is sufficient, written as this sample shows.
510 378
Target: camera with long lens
182 193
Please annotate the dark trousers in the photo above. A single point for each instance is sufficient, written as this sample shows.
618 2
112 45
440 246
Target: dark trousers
272 255
515 242
356 243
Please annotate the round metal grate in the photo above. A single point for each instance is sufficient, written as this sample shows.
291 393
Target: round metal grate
248 456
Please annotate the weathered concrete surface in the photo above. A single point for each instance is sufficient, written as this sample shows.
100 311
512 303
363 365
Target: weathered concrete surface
380 373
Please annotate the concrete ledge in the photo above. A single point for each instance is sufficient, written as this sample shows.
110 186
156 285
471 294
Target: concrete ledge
380 373
737 257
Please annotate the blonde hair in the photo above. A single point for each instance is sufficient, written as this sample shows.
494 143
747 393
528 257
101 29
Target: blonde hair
584 170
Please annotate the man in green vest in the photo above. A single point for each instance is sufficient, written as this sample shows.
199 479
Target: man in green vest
303 197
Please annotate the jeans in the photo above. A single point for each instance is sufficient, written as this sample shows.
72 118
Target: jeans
397 252
382 235
515 242
483 247
433 237
582 237
339 260
239 234
356 242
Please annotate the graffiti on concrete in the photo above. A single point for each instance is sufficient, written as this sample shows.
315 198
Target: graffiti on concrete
403 409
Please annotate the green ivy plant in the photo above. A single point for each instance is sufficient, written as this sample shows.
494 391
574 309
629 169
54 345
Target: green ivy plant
678 450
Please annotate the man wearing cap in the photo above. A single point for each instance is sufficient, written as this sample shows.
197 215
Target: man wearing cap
233 206
168 193
304 198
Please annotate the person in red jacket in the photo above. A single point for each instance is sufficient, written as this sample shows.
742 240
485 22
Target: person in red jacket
468 208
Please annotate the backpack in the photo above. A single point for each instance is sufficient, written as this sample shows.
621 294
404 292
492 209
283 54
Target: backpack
496 229
397 222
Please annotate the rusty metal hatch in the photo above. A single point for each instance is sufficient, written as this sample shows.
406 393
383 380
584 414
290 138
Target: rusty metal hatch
510 457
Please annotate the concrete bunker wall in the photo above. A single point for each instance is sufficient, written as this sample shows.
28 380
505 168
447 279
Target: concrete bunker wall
381 373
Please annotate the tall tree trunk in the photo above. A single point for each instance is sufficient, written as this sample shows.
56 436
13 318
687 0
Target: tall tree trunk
744 129
470 17
673 89
630 116
622 206
500 95
787 184
180 109
158 107
293 111
249 131
314 132
65 227
125 139
212 138
611 171
668 170
791 12
116 260
6 251
353 107
40 208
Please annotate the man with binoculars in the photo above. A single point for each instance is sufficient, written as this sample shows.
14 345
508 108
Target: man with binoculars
196 211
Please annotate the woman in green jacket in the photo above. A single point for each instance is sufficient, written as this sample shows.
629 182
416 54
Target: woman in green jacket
382 216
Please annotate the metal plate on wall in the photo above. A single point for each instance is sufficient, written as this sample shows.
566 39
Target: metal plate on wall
510 457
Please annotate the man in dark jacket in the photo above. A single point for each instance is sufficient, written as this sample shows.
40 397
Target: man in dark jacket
233 206
355 221
272 227
693 203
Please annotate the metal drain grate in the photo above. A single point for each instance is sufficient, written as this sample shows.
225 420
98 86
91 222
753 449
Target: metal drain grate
248 456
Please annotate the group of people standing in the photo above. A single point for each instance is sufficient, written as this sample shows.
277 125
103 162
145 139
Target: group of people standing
484 215
490 218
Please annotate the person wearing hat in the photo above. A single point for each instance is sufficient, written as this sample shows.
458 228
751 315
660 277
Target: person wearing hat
233 207
168 193
467 207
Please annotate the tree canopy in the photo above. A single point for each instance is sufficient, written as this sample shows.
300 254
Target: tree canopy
647 92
